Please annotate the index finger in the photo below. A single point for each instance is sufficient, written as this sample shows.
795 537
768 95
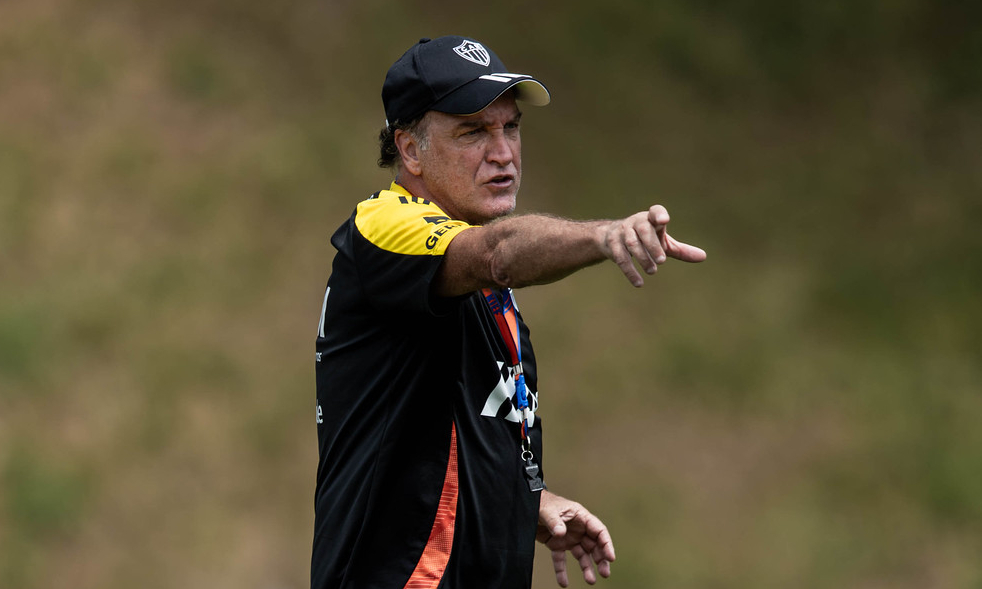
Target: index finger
683 251
605 544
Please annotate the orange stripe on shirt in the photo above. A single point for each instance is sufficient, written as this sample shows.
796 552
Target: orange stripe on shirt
433 562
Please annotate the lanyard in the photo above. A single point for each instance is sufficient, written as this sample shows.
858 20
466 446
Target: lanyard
502 306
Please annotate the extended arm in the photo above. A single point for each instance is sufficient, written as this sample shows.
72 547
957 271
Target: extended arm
537 249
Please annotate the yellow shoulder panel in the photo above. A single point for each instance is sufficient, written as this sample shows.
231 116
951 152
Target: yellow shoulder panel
404 224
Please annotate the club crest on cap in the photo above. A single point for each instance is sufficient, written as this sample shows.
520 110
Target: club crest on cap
474 52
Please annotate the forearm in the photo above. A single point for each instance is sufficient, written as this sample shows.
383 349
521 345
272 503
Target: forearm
538 249
518 251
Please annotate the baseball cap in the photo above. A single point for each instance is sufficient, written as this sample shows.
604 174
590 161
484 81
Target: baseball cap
454 75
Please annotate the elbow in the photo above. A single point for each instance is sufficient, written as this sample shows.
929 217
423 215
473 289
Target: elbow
499 272
502 271
505 265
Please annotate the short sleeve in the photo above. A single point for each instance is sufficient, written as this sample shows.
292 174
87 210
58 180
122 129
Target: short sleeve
399 243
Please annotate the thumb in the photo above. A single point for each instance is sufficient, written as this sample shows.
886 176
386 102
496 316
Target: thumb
553 522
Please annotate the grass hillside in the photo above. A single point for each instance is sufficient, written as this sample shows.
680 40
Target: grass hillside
801 410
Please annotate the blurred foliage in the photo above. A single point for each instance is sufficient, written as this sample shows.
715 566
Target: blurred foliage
799 411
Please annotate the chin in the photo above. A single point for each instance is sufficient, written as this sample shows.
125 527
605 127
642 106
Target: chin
492 206
501 207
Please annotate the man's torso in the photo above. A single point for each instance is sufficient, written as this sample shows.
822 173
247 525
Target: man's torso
402 377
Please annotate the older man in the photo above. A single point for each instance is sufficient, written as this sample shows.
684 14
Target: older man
430 446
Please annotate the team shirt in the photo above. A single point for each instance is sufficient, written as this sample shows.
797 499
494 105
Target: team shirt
420 483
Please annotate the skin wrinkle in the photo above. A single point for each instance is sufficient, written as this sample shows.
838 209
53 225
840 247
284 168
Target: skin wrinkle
498 267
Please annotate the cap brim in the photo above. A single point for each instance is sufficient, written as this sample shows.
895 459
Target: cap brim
478 94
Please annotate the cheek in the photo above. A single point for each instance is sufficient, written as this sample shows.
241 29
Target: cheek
439 165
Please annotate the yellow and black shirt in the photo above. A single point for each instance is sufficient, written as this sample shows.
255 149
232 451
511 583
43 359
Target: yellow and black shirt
420 482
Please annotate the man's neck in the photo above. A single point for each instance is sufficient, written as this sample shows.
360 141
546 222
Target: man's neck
416 187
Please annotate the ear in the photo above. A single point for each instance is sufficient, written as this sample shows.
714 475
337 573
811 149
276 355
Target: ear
409 152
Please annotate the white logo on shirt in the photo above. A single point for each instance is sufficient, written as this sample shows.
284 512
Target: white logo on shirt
320 326
504 392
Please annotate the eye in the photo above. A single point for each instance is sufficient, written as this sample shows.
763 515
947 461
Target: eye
469 133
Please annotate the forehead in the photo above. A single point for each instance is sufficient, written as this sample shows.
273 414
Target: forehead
502 110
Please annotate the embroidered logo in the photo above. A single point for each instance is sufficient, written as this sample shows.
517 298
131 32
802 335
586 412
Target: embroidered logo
474 52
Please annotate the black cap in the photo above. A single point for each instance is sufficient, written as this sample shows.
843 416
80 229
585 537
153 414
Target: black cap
455 75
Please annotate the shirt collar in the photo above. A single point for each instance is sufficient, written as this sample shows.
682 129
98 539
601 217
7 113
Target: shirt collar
398 189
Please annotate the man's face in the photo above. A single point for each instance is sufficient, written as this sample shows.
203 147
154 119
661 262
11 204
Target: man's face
472 165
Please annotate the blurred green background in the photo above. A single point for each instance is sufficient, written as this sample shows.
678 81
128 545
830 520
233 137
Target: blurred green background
802 410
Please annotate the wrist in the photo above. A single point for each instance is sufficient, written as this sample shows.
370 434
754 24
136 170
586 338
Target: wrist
600 230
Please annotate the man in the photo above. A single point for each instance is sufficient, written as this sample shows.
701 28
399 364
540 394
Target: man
430 450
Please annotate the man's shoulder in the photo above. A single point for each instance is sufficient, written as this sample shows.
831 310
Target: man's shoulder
401 223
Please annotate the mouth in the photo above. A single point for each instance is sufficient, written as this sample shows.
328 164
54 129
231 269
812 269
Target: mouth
501 181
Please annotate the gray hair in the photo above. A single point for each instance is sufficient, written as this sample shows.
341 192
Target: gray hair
388 152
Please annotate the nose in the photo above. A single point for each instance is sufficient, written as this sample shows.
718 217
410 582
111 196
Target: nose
499 149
